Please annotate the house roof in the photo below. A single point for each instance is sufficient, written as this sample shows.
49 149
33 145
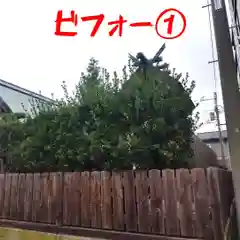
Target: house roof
25 91
208 136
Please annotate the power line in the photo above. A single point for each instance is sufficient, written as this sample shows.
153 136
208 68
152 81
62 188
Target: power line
215 85
212 47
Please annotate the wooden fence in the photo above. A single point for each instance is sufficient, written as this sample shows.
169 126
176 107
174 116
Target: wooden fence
188 203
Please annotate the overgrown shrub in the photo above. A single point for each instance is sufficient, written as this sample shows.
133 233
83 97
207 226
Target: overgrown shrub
108 123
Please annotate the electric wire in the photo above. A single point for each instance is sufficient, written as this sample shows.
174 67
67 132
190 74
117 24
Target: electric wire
212 47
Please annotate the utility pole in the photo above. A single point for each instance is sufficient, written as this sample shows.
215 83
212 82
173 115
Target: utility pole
219 129
230 91
216 111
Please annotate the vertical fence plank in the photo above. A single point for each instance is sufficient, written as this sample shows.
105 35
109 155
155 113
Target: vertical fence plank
36 208
117 195
7 199
14 194
93 200
76 199
21 194
41 216
67 199
106 200
50 191
98 199
212 176
170 202
48 196
11 189
42 211
130 201
232 229
85 199
202 204
95 206
41 200
2 193
226 195
225 191
28 197
78 183
184 187
44 197
157 214
58 198
143 202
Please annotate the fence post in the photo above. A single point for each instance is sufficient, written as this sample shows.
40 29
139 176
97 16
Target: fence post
214 197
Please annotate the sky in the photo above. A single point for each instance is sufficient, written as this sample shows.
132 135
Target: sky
33 57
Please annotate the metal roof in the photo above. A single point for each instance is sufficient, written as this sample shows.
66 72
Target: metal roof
212 135
25 91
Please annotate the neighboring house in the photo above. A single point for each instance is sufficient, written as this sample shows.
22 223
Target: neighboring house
12 97
212 141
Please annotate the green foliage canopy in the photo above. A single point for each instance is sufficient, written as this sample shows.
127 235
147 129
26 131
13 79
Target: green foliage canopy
107 124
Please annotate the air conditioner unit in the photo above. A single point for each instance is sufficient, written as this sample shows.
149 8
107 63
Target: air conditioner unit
212 116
